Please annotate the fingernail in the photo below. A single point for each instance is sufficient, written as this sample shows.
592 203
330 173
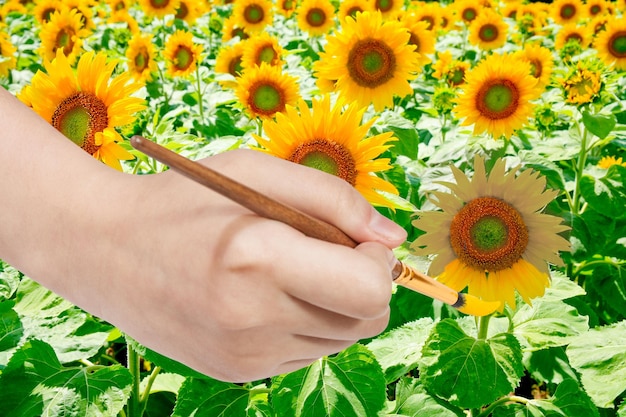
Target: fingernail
387 229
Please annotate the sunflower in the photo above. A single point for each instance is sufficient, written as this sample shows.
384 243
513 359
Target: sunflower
467 10
573 32
232 30
7 54
265 90
64 31
86 105
189 11
182 54
451 70
316 17
597 8
447 18
491 236
286 7
159 8
253 15
332 139
123 16
228 61
118 5
420 36
390 9
567 11
141 54
45 8
611 44
262 48
488 31
497 96
531 19
371 61
607 162
85 9
350 8
540 60
429 13
583 83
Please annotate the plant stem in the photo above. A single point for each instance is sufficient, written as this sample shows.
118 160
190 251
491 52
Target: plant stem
483 327
580 166
146 392
133 366
199 90
511 398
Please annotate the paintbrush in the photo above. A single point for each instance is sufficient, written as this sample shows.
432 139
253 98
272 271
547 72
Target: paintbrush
269 208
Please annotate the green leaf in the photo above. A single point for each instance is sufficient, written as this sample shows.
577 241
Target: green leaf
599 124
204 397
469 373
548 323
606 195
413 400
549 365
9 280
599 355
34 383
11 330
350 384
169 365
70 331
399 350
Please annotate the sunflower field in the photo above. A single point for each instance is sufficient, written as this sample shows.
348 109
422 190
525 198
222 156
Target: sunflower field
493 131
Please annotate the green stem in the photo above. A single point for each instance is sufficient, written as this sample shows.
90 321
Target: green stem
443 127
483 327
134 368
199 90
146 392
580 166
511 398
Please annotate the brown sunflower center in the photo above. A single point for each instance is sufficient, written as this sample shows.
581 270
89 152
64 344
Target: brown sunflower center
326 156
79 117
183 58
288 5
371 63
536 68
239 32
497 99
617 44
315 17
567 11
488 32
415 40
574 37
430 20
182 12
266 53
65 40
352 11
469 14
266 98
253 13
142 59
488 234
159 4
47 13
234 66
383 5
456 75
595 9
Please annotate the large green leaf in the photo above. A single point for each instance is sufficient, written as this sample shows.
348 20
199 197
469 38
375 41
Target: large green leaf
351 384
9 280
599 124
399 350
204 397
72 333
606 195
169 365
469 373
599 355
35 383
549 365
11 329
414 401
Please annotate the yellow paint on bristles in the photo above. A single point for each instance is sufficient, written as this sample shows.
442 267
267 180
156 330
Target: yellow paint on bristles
477 307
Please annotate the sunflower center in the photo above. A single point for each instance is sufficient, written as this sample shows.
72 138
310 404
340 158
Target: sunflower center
266 54
497 99
595 9
469 14
456 76
488 32
617 44
568 11
430 20
79 117
64 41
159 4
371 63
488 234
536 68
142 59
574 37
384 5
316 17
266 99
183 58
353 11
234 66
288 4
326 156
415 40
182 12
253 13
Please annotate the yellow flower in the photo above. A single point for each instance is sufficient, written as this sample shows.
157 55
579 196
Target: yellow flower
86 105
488 31
118 5
261 48
371 61
490 236
567 11
389 9
253 15
595 8
420 36
572 32
182 54
467 10
228 61
427 12
140 55
611 44
608 161
540 60
449 69
189 11
350 8
582 84
122 16
332 139
286 7
159 8
45 8
64 31
7 54
316 17
265 90
232 29
497 96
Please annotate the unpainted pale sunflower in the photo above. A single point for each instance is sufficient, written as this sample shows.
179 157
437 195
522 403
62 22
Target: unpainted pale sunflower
262 48
141 57
232 29
567 11
333 139
182 54
571 33
583 83
253 15
608 161
7 54
65 32
228 61
541 62
86 105
491 236
265 91
611 44
370 59
350 8
488 31
44 9
316 17
497 95
420 36
159 8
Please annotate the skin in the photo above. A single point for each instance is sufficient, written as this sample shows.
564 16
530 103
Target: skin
186 271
